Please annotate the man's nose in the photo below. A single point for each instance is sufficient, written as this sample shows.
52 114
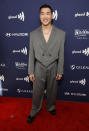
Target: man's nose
45 16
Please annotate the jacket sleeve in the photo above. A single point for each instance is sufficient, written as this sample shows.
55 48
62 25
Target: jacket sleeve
60 69
31 59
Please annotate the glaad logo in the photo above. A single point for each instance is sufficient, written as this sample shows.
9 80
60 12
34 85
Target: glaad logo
16 34
81 14
76 67
82 82
2 78
23 51
19 16
85 52
21 65
55 15
24 91
23 79
26 79
81 34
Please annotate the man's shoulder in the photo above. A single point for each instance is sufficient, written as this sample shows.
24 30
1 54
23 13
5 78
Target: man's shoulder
58 30
35 31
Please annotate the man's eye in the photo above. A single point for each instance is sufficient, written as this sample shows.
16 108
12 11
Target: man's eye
48 13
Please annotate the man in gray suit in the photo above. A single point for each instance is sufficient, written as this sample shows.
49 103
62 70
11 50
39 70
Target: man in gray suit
46 60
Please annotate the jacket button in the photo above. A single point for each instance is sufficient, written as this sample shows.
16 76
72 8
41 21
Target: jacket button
49 54
43 54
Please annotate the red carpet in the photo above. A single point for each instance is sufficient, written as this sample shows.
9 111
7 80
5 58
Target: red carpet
71 116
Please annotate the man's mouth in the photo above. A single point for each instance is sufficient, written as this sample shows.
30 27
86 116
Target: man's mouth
45 20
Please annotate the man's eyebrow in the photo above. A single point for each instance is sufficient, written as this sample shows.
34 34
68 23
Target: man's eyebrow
41 12
44 12
48 12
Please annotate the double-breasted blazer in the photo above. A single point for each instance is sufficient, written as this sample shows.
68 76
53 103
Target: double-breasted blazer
46 52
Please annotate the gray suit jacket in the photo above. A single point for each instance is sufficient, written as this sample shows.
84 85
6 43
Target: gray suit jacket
46 53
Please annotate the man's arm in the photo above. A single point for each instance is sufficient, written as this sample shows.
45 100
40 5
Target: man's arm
31 59
60 69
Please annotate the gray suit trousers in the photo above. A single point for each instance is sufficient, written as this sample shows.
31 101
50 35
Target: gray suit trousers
45 77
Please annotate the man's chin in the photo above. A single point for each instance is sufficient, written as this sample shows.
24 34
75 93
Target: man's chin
46 24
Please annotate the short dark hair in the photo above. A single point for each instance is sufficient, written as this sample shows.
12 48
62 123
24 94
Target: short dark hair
46 6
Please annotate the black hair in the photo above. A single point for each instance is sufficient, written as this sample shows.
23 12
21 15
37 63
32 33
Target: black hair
46 6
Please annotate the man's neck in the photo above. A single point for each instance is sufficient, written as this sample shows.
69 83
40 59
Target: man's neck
46 27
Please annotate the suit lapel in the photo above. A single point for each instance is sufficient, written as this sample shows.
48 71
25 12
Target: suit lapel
52 37
51 40
41 38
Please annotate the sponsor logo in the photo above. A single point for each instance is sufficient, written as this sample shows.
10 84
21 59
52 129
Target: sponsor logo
75 94
55 15
3 89
79 67
21 65
20 16
23 51
81 14
81 34
23 91
23 79
2 78
2 65
85 52
16 34
82 82
27 91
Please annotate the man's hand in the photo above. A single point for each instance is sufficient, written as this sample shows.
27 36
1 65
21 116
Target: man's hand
58 77
32 77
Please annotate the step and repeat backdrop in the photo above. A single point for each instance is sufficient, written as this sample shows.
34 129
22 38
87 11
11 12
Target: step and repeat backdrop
17 19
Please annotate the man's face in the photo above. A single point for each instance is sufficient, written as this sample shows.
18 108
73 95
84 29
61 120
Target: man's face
45 16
